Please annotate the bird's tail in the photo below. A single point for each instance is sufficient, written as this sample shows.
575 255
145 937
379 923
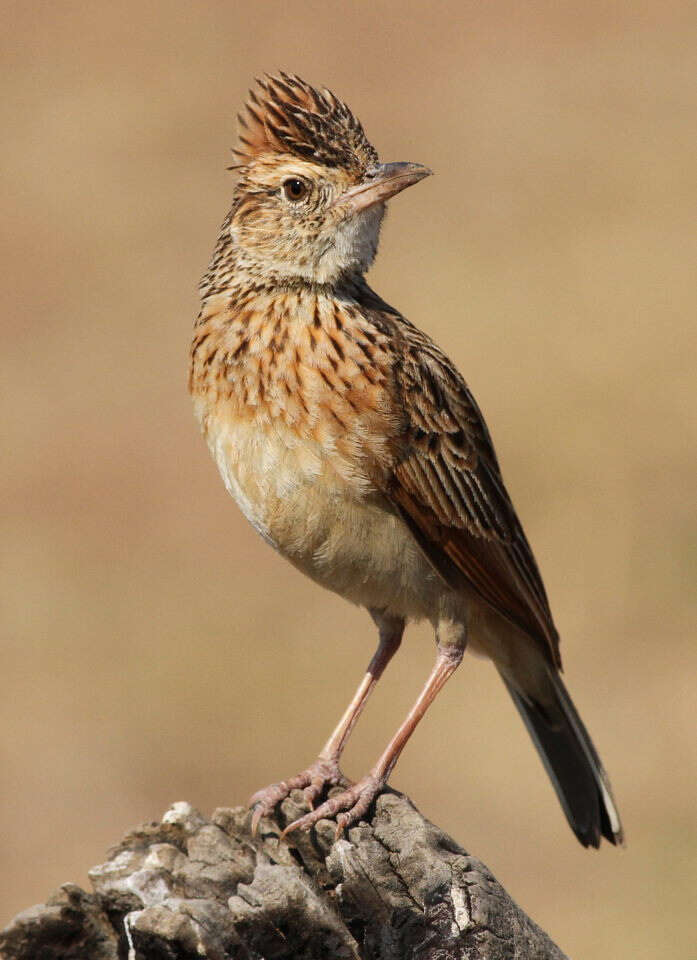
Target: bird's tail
572 763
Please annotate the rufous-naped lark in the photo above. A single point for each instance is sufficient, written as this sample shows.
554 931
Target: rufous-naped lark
353 445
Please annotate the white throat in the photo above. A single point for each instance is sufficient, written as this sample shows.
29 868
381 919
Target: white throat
354 245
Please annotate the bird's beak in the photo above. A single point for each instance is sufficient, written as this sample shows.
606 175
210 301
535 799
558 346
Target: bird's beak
381 183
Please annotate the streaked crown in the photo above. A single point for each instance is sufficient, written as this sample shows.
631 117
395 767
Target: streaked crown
284 114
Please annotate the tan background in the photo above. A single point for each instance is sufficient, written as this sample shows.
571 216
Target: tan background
153 648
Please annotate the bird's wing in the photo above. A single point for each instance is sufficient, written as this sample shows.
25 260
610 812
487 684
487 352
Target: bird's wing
447 485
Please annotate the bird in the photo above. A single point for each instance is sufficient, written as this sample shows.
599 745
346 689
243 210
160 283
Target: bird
355 448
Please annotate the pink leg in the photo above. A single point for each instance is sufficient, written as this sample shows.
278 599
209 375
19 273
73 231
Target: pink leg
325 770
391 630
356 800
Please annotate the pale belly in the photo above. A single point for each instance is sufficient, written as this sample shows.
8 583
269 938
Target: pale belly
329 522
343 534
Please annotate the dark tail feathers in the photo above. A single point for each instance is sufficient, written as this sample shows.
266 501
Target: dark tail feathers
573 765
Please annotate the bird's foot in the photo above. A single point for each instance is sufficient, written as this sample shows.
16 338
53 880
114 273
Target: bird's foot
313 781
351 805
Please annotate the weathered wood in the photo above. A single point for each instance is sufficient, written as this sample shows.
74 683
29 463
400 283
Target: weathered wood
396 888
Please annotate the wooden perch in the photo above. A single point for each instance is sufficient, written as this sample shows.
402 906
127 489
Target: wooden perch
394 889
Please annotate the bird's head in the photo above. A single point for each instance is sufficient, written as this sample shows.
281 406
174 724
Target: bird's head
311 193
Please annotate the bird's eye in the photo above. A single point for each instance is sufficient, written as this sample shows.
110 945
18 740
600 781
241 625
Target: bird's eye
295 189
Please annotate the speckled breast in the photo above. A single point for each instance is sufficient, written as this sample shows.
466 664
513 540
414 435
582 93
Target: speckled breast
290 393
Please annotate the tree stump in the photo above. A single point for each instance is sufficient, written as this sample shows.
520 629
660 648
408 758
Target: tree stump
397 888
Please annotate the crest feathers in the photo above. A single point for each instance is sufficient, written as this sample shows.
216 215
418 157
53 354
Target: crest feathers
284 114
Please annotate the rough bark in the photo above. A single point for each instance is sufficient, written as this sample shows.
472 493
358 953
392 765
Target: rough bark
393 889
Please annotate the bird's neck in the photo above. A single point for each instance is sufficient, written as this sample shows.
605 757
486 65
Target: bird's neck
238 271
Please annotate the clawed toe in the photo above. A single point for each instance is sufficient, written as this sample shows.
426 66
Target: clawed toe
313 782
351 805
263 802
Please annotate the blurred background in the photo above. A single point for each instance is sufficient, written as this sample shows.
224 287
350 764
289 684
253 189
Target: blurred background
153 647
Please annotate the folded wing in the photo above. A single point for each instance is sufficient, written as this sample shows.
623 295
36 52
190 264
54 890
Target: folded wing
448 487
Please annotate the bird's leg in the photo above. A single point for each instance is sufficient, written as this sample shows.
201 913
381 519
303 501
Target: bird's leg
391 630
357 798
325 770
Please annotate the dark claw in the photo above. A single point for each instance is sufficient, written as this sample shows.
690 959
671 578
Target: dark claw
256 817
342 822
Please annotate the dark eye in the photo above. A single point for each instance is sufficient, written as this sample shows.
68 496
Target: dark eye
294 189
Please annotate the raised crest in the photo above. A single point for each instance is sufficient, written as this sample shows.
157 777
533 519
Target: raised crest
284 114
